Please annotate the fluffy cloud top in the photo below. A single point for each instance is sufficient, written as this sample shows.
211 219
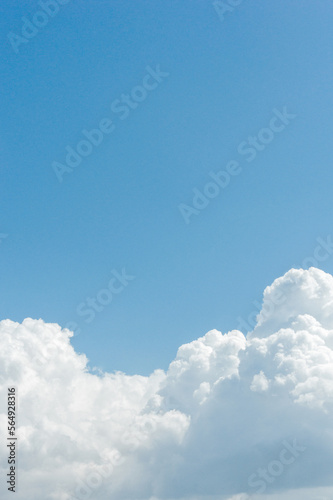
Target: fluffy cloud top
233 418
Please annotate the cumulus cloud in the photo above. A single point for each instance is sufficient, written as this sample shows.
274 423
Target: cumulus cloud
233 418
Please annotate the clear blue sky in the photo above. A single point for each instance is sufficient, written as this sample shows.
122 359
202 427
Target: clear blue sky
120 207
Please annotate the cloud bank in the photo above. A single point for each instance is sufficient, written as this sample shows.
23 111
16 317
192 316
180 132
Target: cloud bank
233 418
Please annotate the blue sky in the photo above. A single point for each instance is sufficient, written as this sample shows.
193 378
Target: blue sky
120 207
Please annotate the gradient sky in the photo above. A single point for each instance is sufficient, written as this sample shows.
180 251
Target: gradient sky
119 207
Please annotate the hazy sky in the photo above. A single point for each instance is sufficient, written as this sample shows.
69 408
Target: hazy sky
212 87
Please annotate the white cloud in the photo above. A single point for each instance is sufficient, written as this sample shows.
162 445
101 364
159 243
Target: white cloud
210 428
260 383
